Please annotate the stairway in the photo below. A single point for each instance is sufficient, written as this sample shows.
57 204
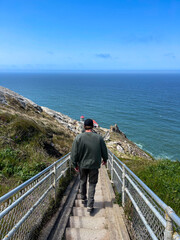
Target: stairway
88 226
73 222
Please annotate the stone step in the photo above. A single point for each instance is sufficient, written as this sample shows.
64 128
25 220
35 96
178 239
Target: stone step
99 198
78 196
88 222
79 211
99 204
98 195
98 186
86 234
98 190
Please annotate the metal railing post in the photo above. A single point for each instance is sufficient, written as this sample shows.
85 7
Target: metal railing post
55 182
70 166
123 185
108 162
112 168
168 233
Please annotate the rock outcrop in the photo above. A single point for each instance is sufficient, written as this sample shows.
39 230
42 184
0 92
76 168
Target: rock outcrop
115 139
115 128
15 100
71 124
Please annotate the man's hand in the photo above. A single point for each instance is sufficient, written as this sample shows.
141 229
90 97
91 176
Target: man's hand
77 169
103 163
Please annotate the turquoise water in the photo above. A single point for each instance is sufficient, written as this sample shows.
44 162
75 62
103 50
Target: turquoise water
146 107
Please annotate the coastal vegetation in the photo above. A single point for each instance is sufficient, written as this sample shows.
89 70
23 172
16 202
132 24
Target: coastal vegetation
27 146
32 137
161 176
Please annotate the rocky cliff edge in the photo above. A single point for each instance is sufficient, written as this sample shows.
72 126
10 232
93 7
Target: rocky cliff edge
115 139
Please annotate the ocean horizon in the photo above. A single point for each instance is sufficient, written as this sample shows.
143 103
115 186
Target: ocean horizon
145 106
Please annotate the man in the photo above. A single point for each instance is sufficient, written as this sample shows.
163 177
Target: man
87 150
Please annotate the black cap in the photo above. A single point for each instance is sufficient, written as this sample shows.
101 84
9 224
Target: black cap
88 123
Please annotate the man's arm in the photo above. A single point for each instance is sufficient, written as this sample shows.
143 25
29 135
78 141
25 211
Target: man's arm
74 154
104 152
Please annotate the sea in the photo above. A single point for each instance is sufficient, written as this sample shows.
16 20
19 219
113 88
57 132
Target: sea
145 106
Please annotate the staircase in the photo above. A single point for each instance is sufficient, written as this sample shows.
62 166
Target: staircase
97 225
88 226
72 221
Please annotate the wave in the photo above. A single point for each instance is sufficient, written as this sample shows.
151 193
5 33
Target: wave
165 156
140 145
159 156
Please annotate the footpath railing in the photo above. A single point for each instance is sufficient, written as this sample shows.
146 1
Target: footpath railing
22 209
148 217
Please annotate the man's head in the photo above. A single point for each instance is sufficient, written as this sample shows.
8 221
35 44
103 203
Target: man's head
88 124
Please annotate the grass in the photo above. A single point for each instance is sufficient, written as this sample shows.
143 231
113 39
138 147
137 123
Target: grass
161 176
28 145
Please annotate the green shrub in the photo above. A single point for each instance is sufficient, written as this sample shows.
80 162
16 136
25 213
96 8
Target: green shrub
28 170
8 161
11 164
9 153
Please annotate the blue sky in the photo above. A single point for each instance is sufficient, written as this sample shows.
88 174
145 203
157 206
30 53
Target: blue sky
89 35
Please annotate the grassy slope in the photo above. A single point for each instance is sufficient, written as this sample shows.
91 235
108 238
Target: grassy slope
161 176
29 142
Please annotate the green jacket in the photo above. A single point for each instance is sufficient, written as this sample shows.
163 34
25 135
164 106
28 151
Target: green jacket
87 150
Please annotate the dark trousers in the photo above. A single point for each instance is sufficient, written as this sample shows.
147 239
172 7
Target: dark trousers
93 179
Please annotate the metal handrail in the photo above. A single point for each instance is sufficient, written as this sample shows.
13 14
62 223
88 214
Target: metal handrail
148 203
164 206
20 205
17 226
44 184
29 181
121 175
14 204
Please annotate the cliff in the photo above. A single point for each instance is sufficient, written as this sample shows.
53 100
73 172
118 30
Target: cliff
32 137
116 140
